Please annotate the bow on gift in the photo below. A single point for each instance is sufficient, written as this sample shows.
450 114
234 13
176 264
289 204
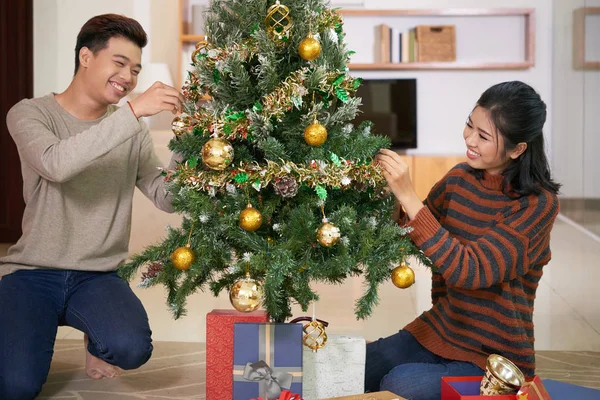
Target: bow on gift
274 381
285 395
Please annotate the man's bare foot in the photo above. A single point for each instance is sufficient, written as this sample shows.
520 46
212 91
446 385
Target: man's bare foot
95 368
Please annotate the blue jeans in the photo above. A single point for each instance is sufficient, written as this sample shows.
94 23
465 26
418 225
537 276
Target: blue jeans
34 303
400 364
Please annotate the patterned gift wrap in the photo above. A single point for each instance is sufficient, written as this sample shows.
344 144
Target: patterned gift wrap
267 359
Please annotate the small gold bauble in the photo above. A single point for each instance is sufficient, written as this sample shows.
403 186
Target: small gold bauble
315 134
246 294
310 48
217 154
315 335
181 124
250 219
183 257
328 234
403 276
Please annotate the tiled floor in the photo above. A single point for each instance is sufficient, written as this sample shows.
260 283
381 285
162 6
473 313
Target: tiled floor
585 212
567 317
177 370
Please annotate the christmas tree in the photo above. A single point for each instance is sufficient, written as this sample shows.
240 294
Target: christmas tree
278 188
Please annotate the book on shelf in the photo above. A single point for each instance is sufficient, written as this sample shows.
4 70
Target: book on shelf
383 43
405 47
394 46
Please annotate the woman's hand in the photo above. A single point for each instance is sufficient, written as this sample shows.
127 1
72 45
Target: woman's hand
397 175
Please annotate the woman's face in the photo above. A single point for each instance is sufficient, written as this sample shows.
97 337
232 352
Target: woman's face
485 147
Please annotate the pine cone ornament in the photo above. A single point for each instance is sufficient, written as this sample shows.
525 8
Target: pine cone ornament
359 186
286 187
152 271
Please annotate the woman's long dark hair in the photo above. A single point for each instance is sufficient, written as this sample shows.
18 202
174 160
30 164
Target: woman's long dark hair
518 113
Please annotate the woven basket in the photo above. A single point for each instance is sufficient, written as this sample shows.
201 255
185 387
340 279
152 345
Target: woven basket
435 43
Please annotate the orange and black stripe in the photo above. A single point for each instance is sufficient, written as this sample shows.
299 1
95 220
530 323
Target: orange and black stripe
489 249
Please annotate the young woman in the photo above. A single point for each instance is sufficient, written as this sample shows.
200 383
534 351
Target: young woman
486 227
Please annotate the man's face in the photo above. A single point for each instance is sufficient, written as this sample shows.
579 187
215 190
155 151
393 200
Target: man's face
112 73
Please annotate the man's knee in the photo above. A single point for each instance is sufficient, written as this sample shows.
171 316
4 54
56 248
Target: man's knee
19 388
128 351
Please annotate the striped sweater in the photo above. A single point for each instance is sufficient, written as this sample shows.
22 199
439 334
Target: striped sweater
489 250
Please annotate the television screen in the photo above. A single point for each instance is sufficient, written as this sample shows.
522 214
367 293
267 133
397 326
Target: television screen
392 107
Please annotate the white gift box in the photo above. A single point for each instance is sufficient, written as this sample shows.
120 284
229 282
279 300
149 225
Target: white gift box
336 370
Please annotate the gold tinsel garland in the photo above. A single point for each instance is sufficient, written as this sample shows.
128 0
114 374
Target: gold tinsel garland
340 175
276 104
328 19
193 89
281 100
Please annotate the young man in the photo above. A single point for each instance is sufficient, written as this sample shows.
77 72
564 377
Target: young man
81 159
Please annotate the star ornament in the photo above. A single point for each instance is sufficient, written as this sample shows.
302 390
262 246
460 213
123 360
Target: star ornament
524 396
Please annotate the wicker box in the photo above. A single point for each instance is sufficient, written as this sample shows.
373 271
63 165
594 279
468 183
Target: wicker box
435 43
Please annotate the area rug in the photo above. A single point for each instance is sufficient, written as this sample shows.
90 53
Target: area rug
177 370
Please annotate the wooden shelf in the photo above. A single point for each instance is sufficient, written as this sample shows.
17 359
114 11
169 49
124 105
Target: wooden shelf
450 66
529 44
579 58
440 12
191 38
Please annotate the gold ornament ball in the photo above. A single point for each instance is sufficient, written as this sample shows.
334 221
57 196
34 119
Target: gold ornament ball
217 154
310 48
315 134
181 124
182 258
403 276
328 234
250 219
246 294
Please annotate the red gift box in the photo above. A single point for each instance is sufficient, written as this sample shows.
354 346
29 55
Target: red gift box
219 349
533 390
467 388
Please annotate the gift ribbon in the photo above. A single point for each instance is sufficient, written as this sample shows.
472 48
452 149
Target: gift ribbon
538 392
285 395
274 381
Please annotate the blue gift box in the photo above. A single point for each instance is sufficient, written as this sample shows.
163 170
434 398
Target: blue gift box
279 346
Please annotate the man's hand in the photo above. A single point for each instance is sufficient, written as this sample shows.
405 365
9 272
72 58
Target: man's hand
159 97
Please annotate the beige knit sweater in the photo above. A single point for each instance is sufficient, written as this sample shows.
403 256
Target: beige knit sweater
78 183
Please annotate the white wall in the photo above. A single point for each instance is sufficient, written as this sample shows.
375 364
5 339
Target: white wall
576 116
45 47
56 25
445 98
57 22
